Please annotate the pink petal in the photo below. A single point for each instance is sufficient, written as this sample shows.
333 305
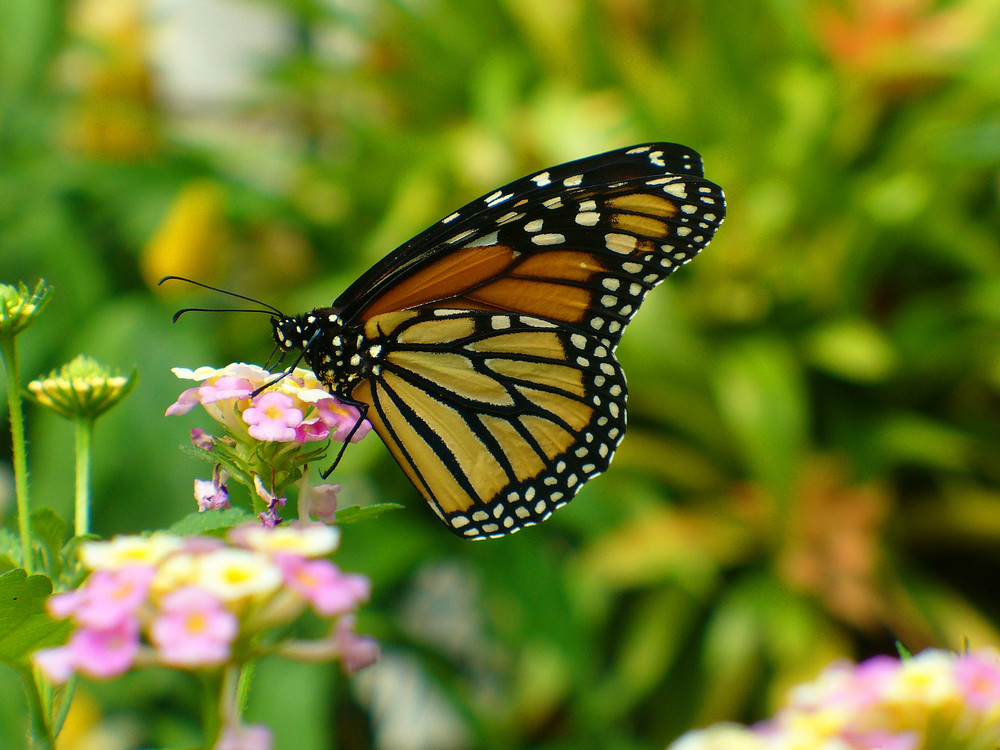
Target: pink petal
55 663
319 502
193 629
245 737
356 652
184 403
226 387
113 596
341 419
105 653
201 439
65 604
311 431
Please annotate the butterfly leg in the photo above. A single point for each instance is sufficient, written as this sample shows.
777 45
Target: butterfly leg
363 414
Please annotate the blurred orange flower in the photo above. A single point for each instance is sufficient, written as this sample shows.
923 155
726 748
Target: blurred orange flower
896 39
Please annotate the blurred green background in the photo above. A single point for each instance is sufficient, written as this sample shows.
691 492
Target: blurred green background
812 469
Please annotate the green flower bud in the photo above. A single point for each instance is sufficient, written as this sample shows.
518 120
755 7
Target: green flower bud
18 306
83 388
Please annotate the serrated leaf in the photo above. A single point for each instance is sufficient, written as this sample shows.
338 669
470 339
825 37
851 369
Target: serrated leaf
11 544
25 626
356 513
51 530
213 522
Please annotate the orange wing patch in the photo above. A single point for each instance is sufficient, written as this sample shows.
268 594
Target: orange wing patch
447 277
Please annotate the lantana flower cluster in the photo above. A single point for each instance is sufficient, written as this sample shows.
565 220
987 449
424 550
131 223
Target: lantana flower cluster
271 435
933 700
296 409
196 602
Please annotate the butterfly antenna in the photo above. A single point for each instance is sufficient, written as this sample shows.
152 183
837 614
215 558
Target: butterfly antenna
218 309
363 414
270 308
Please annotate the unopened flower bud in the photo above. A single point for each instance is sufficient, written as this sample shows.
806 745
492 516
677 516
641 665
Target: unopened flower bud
82 388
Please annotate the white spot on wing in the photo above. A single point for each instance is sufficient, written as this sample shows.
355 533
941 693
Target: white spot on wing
620 243
484 241
548 239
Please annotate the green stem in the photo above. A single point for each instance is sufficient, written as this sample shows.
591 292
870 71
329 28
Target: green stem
41 733
84 442
243 687
20 451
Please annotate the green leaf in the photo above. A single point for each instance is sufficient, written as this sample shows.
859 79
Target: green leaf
852 349
51 530
7 564
11 557
212 522
25 626
220 454
762 396
356 513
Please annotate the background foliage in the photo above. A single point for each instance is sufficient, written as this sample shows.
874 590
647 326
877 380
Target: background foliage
813 462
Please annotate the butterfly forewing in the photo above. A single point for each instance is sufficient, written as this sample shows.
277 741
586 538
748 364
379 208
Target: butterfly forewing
497 419
644 205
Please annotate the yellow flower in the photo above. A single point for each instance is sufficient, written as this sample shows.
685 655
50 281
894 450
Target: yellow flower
234 574
174 573
122 551
192 239
306 540
719 737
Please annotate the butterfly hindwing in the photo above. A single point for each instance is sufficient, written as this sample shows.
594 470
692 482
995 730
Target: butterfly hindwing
497 419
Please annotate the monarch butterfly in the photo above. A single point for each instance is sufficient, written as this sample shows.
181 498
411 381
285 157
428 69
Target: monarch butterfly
483 350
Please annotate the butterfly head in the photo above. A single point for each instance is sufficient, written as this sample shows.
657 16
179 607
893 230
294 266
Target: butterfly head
319 336
304 331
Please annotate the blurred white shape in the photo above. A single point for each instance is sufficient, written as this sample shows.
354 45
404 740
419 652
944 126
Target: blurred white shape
211 51
408 710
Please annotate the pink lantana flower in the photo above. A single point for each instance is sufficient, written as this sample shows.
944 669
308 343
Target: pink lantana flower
323 585
204 597
276 433
273 417
244 737
97 653
193 629
340 419
225 394
934 698
268 518
979 683
319 502
212 495
356 651
109 598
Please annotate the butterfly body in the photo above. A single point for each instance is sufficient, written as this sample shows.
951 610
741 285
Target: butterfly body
483 349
